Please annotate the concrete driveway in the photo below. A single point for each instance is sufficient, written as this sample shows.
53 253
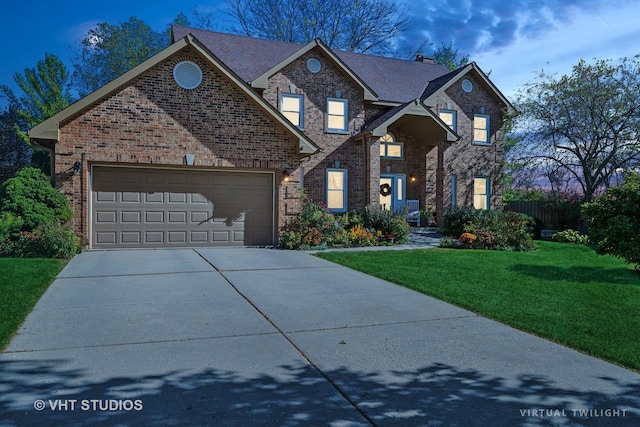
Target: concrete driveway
266 337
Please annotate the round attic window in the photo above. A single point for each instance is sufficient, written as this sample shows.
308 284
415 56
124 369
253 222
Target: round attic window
314 65
187 74
467 86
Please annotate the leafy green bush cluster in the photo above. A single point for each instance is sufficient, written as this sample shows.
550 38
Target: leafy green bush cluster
46 241
613 221
486 229
315 227
31 216
30 196
570 236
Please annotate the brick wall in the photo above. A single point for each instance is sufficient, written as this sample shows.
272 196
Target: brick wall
466 159
316 88
153 121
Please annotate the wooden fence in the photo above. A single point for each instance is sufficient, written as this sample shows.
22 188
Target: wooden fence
551 215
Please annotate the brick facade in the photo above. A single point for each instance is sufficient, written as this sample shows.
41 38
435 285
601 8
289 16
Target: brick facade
152 121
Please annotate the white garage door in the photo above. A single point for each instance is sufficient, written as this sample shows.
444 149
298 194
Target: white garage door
139 207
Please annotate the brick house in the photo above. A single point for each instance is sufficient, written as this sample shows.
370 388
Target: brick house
210 141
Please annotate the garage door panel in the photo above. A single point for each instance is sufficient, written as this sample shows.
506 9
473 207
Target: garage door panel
136 208
154 197
177 198
106 217
131 217
106 196
131 237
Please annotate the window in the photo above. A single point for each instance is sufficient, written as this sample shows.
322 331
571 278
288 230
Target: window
337 113
450 117
481 192
291 106
391 149
337 190
481 129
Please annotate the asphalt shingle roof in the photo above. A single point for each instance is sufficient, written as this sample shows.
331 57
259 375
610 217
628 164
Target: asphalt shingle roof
393 80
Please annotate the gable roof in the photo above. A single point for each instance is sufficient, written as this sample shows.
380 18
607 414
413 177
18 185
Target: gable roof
392 80
412 114
48 130
439 85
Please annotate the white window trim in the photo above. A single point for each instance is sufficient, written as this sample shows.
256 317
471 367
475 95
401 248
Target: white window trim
488 130
300 99
345 128
344 189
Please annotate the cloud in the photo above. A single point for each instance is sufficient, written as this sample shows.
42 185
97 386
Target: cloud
478 26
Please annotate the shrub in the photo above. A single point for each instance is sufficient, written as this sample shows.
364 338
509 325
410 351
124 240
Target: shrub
313 227
376 218
9 224
400 229
390 225
456 217
359 236
508 231
46 241
30 196
613 221
570 236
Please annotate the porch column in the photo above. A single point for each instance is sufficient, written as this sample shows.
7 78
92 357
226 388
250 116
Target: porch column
372 148
440 183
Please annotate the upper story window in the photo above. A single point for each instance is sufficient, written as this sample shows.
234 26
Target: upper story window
481 129
292 107
450 117
389 148
337 114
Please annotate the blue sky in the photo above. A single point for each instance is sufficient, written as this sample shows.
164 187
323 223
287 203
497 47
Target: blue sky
512 39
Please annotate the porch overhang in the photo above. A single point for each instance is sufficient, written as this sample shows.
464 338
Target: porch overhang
415 119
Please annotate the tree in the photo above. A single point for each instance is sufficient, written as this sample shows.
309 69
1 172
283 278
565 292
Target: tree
584 126
46 91
448 56
357 26
613 220
14 153
108 51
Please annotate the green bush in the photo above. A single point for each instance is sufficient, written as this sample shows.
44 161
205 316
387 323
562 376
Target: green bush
456 217
386 224
570 236
30 196
9 225
497 230
314 227
613 221
46 241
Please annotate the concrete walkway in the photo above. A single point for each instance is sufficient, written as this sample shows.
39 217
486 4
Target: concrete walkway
267 337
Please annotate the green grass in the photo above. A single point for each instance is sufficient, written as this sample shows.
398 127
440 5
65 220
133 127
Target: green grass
22 283
562 292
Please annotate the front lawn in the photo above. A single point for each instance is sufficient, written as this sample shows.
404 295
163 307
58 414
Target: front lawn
562 292
22 283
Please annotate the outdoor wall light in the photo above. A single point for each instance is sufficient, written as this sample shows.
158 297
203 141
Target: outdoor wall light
286 174
412 178
77 167
189 158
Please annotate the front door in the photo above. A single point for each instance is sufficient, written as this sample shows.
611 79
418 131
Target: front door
392 192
